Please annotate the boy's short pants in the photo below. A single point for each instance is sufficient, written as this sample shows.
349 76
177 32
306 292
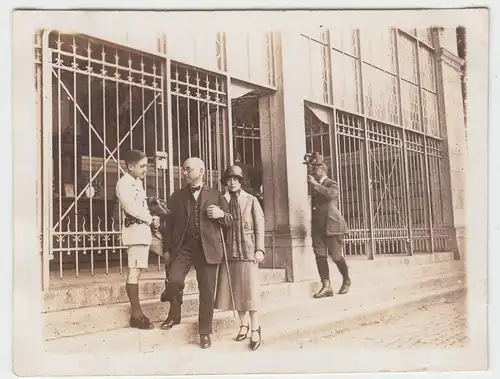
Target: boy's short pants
138 256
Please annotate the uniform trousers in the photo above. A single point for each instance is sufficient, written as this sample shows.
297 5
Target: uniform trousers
328 245
191 254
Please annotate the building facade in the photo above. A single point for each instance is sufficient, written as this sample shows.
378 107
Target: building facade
384 107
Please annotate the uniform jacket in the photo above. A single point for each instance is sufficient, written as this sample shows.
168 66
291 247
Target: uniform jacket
326 217
252 218
132 197
177 222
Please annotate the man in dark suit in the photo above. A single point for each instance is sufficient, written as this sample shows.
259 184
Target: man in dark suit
192 238
328 226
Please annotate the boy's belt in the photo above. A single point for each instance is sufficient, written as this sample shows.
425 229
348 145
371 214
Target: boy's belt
131 220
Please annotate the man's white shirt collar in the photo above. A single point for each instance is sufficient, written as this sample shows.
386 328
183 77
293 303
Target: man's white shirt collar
197 193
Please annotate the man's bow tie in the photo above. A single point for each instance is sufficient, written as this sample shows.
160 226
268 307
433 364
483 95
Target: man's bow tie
195 189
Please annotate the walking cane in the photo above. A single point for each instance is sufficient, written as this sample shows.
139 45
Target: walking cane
227 272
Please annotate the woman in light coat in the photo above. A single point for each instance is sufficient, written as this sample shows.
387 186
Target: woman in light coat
245 249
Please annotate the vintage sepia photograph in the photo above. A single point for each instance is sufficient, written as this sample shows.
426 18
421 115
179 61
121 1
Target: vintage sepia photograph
231 195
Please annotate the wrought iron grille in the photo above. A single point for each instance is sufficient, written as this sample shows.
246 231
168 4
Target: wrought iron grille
107 99
381 152
390 177
104 100
246 133
385 156
435 173
415 146
352 166
199 121
246 141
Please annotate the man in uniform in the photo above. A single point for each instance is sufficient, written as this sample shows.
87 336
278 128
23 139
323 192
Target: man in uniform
192 237
328 226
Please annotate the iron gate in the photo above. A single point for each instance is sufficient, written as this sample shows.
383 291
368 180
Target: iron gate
199 121
376 123
385 157
99 100
390 193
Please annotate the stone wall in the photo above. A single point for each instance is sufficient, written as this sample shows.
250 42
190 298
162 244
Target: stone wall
450 73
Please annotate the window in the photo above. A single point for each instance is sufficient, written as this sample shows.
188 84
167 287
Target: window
345 78
429 97
248 55
316 70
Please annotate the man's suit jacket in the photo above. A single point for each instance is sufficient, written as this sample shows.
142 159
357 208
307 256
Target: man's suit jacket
132 197
252 218
177 222
326 217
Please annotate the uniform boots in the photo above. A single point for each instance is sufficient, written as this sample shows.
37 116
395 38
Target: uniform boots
324 274
325 291
344 271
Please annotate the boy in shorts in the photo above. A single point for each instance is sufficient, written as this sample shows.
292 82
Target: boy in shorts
136 229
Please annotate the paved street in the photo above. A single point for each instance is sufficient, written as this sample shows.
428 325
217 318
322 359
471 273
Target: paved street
441 324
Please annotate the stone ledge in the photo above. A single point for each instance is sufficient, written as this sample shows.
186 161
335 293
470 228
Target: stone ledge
91 320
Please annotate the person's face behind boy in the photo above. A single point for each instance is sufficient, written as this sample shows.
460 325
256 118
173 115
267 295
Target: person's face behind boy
139 169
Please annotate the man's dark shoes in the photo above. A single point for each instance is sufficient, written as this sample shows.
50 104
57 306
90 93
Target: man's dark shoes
141 322
169 323
346 284
205 341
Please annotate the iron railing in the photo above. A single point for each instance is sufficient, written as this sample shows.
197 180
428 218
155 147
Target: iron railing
99 100
381 137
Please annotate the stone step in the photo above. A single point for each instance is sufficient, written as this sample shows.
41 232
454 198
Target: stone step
274 296
105 293
381 261
362 271
102 293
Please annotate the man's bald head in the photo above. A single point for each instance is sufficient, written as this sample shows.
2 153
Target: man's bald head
194 162
193 170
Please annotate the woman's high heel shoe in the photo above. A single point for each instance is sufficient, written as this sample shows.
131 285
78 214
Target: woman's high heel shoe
241 336
254 345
